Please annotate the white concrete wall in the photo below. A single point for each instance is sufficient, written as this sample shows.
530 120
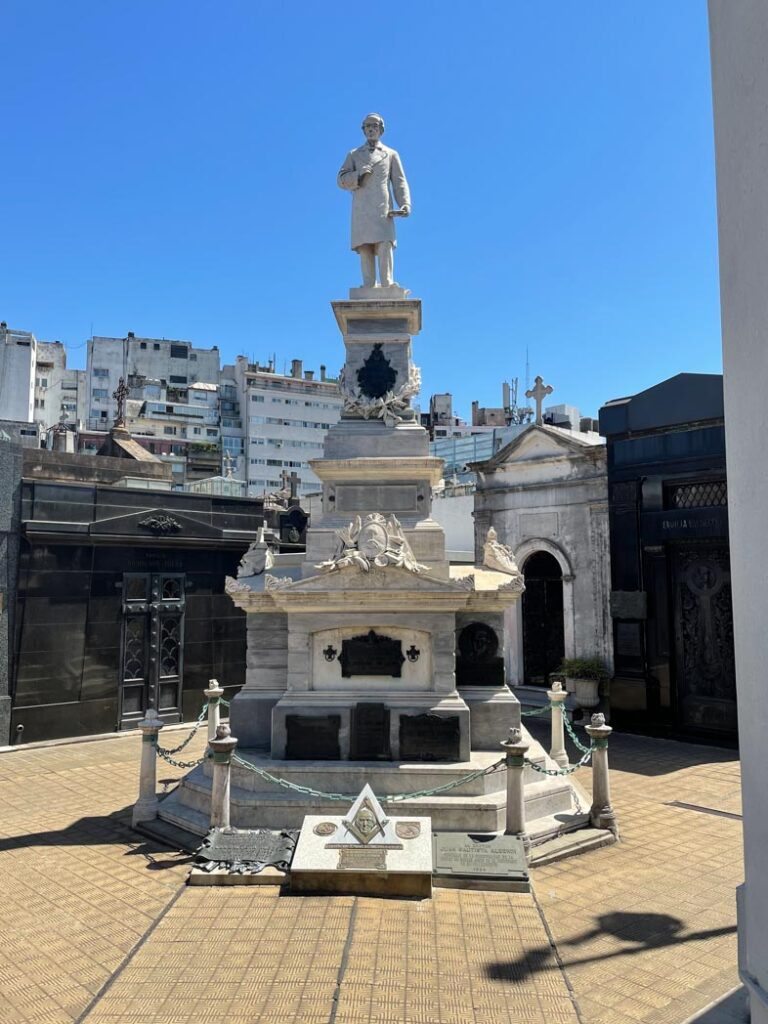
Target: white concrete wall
739 41
454 514
17 375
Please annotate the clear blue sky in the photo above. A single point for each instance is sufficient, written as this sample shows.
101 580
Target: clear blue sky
169 168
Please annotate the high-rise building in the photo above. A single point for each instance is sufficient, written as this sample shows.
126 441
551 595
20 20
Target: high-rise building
59 392
18 356
285 418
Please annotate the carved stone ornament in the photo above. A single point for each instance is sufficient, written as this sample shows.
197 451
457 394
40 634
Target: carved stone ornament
598 720
374 541
233 586
256 559
498 556
324 828
160 525
407 829
276 582
393 407
366 818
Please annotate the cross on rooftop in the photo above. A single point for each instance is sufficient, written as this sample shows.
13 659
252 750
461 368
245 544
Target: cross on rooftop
538 393
291 482
120 394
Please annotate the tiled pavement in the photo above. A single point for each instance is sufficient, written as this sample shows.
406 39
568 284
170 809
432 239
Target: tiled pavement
97 926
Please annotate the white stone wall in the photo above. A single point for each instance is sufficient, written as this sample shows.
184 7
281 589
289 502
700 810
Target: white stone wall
454 514
739 38
548 496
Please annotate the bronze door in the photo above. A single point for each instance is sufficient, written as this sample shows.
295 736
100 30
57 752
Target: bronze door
153 644
704 663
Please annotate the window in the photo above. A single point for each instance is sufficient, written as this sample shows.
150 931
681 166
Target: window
169 430
100 394
193 356
39 403
258 462
257 398
99 371
177 380
42 382
156 347
258 419
179 352
274 462
197 430
143 344
211 433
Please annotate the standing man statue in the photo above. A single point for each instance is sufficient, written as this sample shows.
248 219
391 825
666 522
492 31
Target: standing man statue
367 173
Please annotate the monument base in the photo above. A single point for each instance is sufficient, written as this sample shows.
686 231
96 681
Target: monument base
379 292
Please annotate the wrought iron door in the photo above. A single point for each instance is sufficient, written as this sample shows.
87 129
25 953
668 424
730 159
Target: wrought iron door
704 662
543 628
153 646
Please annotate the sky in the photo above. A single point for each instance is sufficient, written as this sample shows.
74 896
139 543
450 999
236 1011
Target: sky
169 168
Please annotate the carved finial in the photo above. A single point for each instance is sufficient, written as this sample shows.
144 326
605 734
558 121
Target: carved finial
557 686
223 732
515 735
598 720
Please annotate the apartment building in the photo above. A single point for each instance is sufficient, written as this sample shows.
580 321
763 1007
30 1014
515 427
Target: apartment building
285 419
18 357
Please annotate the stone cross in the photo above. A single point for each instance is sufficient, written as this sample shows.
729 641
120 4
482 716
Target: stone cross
120 394
290 482
538 393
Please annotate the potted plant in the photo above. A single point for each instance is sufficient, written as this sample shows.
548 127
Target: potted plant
583 677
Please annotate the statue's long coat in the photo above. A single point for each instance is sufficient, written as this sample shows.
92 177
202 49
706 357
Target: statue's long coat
371 198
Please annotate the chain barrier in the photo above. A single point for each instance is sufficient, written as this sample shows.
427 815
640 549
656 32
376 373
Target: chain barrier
583 760
571 732
499 765
167 752
537 711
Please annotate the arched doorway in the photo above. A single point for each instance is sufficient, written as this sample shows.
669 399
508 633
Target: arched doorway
543 633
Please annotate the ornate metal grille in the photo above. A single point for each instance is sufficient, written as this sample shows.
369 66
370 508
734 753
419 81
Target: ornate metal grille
169 646
134 663
171 589
706 494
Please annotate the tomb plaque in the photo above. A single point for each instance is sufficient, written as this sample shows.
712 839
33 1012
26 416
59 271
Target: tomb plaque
312 737
478 662
479 855
370 733
246 848
429 737
371 654
385 497
363 858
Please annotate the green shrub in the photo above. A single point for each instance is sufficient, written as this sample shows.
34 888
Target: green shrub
584 668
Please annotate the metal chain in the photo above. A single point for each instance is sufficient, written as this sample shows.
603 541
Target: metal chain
499 765
163 751
537 711
577 742
180 764
584 760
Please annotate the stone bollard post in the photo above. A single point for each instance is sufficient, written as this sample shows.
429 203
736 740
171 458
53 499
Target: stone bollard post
213 695
601 813
145 808
515 748
223 746
557 698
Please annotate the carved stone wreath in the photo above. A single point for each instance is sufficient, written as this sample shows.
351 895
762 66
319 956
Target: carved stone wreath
160 525
393 407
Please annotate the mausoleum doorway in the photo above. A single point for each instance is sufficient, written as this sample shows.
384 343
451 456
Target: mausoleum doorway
543 624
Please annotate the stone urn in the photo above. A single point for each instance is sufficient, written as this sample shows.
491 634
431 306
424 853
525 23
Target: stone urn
585 691
583 677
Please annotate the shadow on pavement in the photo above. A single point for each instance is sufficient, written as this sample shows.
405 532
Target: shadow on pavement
639 932
96 831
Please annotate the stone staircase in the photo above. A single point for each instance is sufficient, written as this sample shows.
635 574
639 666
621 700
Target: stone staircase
555 805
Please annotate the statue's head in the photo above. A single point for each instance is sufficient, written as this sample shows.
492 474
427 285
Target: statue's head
373 126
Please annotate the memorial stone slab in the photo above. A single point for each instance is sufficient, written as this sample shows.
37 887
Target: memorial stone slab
429 737
370 733
312 737
485 857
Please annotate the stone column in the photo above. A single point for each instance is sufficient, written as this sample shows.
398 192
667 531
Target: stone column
145 808
557 697
223 746
213 695
601 813
515 748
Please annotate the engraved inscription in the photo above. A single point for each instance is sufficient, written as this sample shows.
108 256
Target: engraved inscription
383 497
363 858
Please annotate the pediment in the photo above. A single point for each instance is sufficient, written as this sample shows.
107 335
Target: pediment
154 524
539 442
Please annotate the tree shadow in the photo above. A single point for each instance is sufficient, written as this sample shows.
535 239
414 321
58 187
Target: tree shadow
639 932
105 830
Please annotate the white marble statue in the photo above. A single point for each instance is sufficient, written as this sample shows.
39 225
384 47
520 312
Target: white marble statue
497 555
367 173
373 541
256 559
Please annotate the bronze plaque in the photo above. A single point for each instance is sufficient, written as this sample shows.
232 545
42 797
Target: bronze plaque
363 858
371 655
370 733
312 737
460 853
429 737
